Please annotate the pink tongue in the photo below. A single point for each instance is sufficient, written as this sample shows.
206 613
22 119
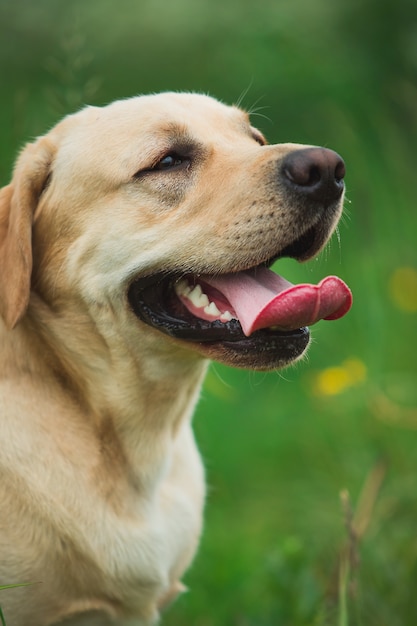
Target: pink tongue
262 299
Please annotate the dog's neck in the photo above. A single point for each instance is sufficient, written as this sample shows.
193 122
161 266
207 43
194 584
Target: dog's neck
144 388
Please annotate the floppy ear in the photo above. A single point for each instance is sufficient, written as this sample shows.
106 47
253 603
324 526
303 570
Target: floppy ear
18 202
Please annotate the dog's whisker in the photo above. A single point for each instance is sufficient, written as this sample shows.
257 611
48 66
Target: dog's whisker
257 114
337 231
216 372
254 106
339 242
243 94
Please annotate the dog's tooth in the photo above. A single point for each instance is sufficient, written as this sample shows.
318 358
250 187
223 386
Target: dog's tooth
226 316
182 287
212 309
198 298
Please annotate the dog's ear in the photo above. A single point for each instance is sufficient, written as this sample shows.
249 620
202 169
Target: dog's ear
18 202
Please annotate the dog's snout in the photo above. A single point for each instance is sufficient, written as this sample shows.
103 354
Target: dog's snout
317 173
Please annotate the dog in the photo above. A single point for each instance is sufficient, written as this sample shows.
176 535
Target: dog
135 245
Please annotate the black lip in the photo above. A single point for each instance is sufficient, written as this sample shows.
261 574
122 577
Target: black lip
153 301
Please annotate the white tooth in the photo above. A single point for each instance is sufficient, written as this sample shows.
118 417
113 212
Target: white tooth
197 297
211 309
182 287
204 301
195 292
226 316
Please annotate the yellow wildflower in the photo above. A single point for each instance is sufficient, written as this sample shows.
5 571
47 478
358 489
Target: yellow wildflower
334 380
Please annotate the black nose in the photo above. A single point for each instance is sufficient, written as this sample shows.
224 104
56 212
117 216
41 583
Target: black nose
317 173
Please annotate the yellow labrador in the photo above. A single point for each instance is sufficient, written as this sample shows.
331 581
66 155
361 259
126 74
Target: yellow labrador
135 242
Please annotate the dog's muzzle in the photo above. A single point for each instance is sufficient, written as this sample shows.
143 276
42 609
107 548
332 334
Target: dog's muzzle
255 311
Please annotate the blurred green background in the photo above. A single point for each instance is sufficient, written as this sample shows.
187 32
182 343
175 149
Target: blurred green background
312 514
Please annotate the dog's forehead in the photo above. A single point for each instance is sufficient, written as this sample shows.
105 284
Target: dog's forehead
194 110
200 115
125 133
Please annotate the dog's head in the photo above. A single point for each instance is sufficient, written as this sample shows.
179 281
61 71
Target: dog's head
169 209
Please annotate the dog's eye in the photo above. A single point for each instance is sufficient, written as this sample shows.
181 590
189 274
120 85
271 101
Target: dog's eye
171 161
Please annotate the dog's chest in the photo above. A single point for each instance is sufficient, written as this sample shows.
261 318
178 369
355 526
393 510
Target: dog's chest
140 556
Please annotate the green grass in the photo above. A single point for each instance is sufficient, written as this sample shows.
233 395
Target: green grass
278 546
311 514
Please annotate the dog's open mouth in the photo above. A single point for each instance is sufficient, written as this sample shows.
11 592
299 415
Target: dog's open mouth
256 308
